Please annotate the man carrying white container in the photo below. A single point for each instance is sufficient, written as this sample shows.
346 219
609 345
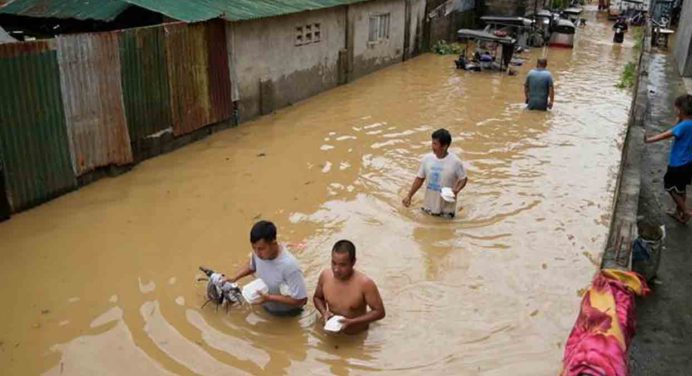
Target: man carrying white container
279 269
445 177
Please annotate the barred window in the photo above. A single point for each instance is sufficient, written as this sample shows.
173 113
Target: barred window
379 28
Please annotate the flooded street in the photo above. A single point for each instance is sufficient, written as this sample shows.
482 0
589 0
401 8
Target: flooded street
103 280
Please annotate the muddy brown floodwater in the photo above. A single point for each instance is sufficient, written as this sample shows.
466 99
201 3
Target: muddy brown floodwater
102 281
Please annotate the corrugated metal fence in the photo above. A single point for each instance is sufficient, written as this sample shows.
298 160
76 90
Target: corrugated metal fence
85 101
90 82
34 147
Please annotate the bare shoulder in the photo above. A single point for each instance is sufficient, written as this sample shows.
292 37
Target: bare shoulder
365 282
325 275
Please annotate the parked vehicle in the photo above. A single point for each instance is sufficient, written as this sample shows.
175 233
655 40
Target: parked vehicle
543 21
563 34
501 46
520 28
573 14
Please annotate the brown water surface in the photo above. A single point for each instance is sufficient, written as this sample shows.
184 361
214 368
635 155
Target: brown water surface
102 281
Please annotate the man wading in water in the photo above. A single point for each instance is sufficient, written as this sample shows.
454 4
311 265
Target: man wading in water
538 88
442 169
277 267
679 173
346 292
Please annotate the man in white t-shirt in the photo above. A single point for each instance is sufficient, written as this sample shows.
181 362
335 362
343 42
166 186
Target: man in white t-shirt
278 268
441 169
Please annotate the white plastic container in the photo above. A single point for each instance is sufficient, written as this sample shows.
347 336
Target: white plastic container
447 194
252 292
334 324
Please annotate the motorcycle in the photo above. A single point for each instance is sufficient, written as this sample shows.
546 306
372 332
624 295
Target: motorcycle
221 292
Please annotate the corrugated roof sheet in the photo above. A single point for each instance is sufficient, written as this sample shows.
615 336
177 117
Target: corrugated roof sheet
188 10
234 10
103 10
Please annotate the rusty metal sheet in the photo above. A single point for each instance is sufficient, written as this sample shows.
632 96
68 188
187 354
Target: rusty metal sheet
145 82
34 146
92 93
219 73
186 54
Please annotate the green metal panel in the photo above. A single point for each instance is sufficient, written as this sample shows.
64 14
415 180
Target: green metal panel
33 138
234 10
188 10
102 10
145 81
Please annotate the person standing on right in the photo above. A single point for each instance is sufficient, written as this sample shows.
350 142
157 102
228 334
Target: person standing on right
679 173
441 169
538 88
620 28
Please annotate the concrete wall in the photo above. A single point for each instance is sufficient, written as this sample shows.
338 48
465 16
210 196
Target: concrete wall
366 57
446 27
416 24
268 70
683 41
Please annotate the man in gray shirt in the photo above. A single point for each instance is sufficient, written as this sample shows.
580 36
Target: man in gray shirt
538 88
277 267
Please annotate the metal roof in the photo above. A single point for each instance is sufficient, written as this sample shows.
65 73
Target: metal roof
482 35
188 11
234 10
102 10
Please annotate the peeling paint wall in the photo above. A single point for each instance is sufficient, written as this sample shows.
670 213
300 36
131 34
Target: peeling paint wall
268 67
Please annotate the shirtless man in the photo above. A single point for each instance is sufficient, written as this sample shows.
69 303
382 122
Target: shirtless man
346 292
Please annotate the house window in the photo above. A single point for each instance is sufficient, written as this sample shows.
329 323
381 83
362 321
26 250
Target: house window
379 28
307 34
